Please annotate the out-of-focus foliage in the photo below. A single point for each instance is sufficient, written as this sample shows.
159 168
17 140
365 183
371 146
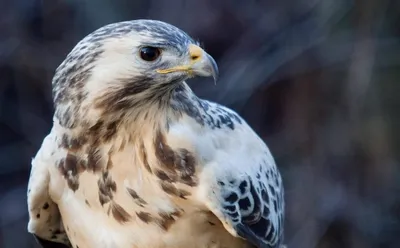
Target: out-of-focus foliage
318 80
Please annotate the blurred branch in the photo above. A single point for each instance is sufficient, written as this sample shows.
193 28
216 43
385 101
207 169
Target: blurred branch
288 43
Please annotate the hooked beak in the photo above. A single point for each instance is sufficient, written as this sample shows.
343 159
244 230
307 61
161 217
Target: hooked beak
200 64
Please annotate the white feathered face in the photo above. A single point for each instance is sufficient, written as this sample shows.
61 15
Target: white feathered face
127 63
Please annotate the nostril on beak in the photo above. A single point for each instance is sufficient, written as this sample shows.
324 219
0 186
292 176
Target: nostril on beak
195 57
195 53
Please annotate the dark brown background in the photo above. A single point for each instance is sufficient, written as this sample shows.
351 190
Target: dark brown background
318 80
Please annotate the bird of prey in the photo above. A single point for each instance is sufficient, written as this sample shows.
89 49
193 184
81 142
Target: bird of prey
136 159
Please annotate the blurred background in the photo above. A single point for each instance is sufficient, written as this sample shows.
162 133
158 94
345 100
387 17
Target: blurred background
317 80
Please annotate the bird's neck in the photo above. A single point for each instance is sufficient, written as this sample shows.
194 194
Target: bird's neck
152 115
158 113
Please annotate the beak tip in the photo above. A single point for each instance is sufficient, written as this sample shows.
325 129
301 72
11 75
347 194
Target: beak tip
215 77
214 69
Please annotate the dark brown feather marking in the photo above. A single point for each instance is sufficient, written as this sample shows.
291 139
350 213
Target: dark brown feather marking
119 213
164 153
102 132
145 217
110 131
123 143
185 163
109 159
95 161
70 167
138 200
109 163
170 189
183 193
95 129
143 156
73 143
163 176
178 164
167 219
117 100
106 188
189 180
71 164
73 183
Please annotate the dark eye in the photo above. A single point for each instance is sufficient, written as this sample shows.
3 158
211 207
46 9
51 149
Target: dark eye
149 53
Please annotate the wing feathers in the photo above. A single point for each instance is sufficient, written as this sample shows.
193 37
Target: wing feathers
252 207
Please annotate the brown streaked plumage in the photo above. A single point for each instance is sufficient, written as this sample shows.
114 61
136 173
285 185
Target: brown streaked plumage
144 158
139 201
136 159
170 189
145 217
119 213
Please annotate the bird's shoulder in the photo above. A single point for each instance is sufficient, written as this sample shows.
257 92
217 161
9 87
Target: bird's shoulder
218 116
44 216
207 114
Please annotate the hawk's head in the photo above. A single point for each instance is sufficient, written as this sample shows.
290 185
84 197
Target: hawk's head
122 66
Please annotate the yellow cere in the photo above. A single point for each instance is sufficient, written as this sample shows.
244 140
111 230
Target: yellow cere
196 54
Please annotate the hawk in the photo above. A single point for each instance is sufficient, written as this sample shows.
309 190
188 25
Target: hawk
136 159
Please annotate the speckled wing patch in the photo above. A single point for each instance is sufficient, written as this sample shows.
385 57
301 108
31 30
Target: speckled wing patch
255 207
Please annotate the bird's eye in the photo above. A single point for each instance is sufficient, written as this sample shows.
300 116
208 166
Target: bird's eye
149 53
